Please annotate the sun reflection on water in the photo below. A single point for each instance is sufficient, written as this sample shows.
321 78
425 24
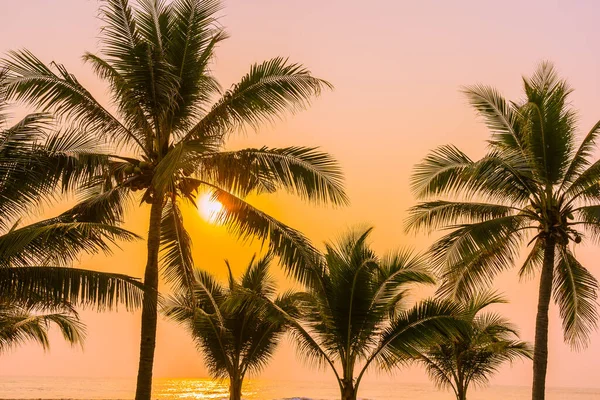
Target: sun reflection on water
201 389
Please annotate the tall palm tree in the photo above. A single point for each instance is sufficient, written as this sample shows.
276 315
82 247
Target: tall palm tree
355 314
534 187
234 330
156 60
19 324
475 355
34 258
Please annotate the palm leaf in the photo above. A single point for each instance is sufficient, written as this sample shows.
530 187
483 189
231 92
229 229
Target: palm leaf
65 285
176 246
58 240
575 291
498 115
268 90
437 214
295 251
194 34
306 172
19 325
31 80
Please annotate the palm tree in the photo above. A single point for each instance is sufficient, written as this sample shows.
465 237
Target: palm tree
19 324
535 186
234 330
34 258
474 356
355 313
156 60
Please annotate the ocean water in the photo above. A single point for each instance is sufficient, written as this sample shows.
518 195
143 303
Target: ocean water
206 389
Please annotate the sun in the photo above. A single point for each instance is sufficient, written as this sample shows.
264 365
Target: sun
209 208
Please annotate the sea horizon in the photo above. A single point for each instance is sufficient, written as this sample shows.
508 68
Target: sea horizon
122 388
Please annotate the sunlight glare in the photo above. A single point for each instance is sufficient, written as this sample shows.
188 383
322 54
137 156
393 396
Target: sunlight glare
209 208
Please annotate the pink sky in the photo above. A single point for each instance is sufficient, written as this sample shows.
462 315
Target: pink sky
397 67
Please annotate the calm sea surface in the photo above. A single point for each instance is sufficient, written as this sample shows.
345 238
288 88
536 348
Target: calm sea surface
102 388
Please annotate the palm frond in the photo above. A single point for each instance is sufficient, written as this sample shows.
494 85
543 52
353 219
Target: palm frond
180 159
437 214
440 172
306 172
193 37
257 278
585 185
176 246
102 206
19 325
30 80
580 160
41 286
499 116
447 171
126 99
473 254
268 90
57 240
296 252
575 291
533 261
120 37
414 329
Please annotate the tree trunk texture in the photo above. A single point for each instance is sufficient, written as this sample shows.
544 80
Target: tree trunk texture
149 308
235 389
540 352
348 391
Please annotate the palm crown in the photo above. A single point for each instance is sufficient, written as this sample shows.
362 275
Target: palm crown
156 59
475 355
535 186
236 331
356 315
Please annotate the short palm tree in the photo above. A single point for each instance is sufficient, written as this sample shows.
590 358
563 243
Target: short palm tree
156 60
535 187
475 355
233 328
19 324
34 258
355 314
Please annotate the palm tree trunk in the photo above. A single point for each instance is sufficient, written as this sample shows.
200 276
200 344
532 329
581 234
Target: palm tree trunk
348 391
540 352
235 388
461 394
149 310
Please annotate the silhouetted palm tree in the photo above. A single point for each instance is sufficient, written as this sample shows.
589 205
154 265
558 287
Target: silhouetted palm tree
19 324
156 60
534 187
356 315
475 355
236 332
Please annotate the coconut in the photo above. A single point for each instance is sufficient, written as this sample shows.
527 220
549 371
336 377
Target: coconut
145 165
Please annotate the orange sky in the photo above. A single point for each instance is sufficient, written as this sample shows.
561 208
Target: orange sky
397 67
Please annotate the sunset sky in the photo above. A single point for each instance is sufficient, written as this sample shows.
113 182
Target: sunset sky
397 67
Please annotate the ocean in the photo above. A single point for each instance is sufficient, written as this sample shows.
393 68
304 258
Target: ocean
206 389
